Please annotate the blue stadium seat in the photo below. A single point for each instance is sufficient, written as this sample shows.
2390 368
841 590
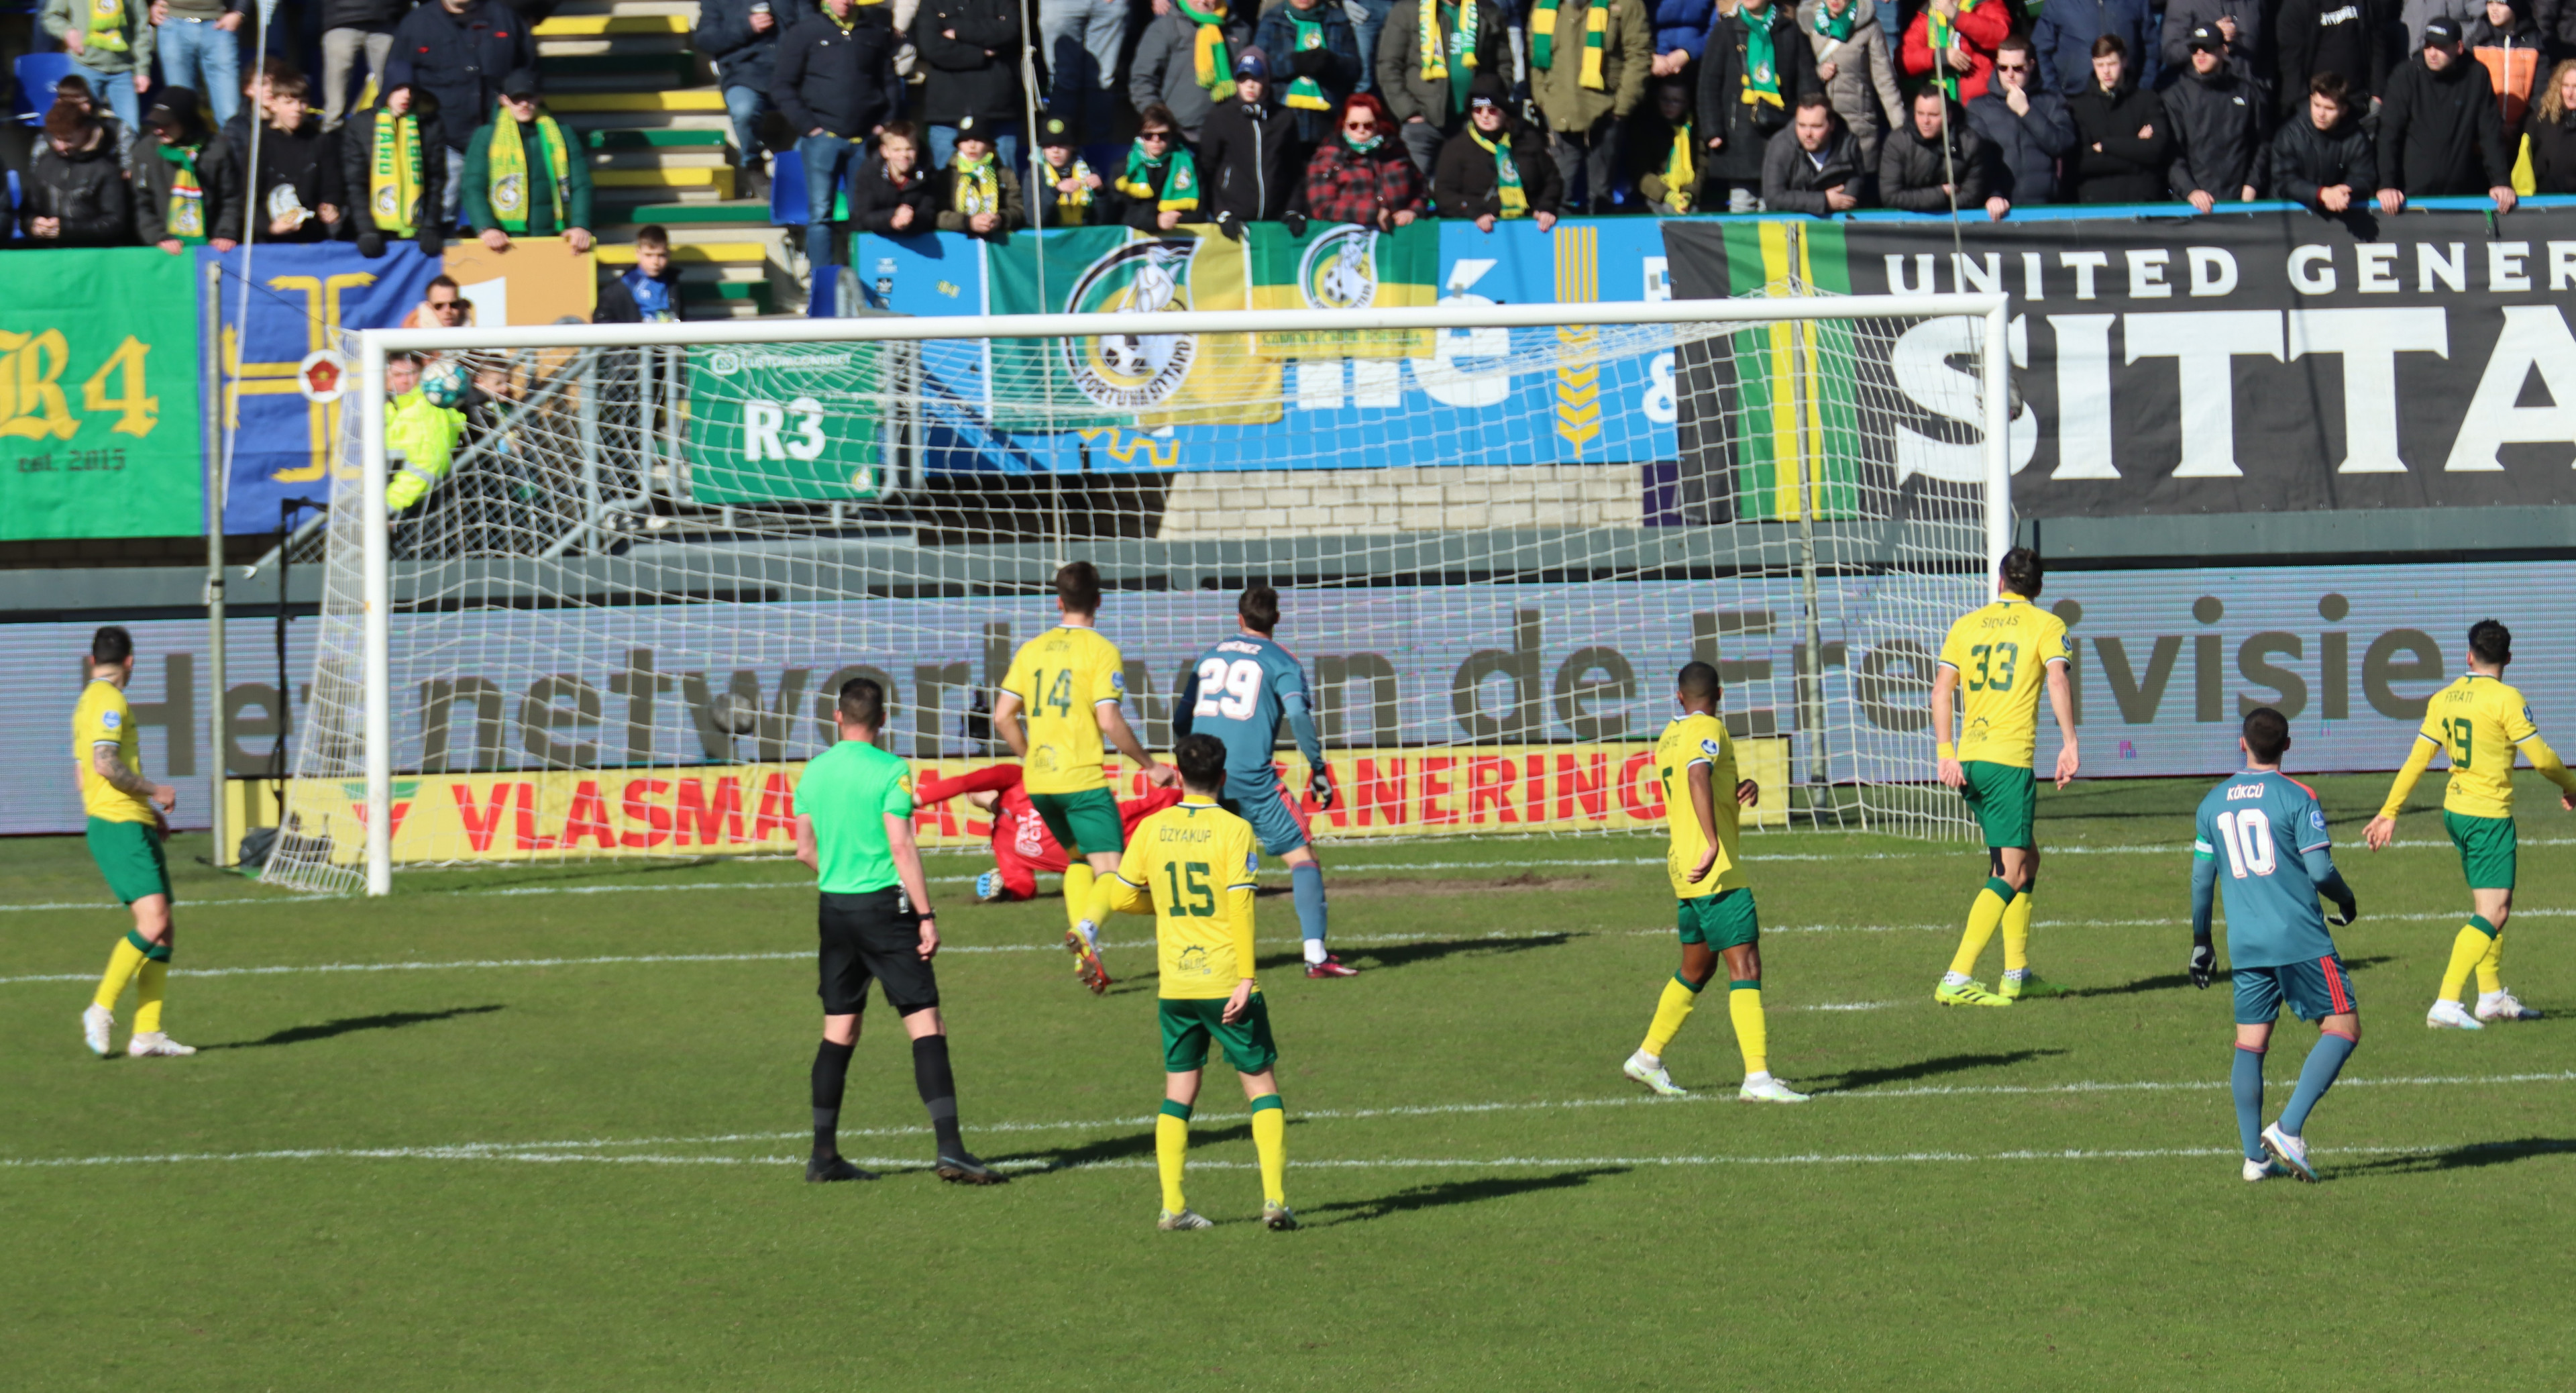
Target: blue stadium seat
786 189
37 74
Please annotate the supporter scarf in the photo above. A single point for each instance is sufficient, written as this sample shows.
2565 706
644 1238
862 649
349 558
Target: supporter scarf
1179 176
1941 35
1681 173
1071 209
510 174
1214 67
1761 61
652 298
185 219
1363 147
978 185
846 24
1462 37
1507 173
1303 94
106 29
393 183
1837 27
1596 26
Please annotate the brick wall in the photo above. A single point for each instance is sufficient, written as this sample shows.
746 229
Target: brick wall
1323 502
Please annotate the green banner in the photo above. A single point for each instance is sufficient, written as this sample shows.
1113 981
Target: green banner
1124 381
1344 266
787 422
100 434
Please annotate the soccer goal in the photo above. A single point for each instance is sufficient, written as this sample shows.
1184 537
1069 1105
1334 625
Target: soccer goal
614 626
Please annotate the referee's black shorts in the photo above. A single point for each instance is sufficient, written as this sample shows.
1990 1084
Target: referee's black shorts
873 935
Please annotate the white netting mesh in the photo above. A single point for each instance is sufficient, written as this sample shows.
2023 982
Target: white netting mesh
619 617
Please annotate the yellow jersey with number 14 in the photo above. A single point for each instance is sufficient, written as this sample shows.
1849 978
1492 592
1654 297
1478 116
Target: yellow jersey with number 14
2479 722
1059 677
2001 653
1698 738
102 719
1196 860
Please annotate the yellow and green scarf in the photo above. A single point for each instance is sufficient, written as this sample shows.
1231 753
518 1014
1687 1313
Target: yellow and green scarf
184 220
1178 173
1211 64
1071 209
1596 27
1940 34
978 185
1837 27
393 183
1303 93
1681 171
1461 39
511 175
1761 61
1507 173
106 28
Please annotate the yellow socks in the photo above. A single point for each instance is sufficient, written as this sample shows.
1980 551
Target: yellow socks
1171 1149
1270 1140
121 967
2467 950
2017 934
1744 1007
1077 890
1675 1007
1983 918
2491 967
147 996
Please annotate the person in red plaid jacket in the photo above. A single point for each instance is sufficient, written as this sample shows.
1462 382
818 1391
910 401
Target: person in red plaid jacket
1362 174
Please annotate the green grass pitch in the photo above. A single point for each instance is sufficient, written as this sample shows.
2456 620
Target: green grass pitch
493 1133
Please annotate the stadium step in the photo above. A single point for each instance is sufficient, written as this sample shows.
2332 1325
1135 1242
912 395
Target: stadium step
631 138
693 253
718 177
689 99
675 69
740 214
572 26
685 9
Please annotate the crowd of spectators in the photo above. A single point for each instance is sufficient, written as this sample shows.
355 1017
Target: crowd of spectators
911 115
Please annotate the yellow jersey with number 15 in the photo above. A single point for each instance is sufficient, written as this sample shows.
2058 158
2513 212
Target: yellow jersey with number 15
1196 861
2001 652
2479 722
1059 676
102 719
1698 738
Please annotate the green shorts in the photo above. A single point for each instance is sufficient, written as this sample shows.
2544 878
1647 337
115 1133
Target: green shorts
2486 849
1188 1022
1724 920
129 855
2004 797
1085 823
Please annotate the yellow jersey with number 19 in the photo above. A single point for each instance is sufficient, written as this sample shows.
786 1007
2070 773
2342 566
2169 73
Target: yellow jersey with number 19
2001 652
1698 738
102 719
1196 860
2479 722
1059 676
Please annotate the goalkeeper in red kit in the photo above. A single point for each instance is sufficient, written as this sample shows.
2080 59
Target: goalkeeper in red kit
1022 846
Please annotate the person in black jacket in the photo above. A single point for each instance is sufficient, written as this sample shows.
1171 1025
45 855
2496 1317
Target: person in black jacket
2439 130
1069 187
74 194
891 194
403 122
835 81
458 51
741 36
2217 149
1469 181
971 49
1748 82
297 192
2357 40
2025 120
1317 57
1250 159
1935 164
1814 166
2324 158
2553 132
2122 143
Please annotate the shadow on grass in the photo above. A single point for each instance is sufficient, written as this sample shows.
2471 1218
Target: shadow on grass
2470 1156
1387 955
1449 1192
1927 1069
1126 1148
349 1025
2170 981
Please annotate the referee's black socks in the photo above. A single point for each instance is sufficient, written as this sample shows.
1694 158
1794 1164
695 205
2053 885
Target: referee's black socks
831 1075
938 1090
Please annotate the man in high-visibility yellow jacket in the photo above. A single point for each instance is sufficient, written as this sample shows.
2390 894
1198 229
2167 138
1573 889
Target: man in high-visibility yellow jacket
422 426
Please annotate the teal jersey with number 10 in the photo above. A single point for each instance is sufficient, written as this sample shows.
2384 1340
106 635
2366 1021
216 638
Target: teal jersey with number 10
2259 828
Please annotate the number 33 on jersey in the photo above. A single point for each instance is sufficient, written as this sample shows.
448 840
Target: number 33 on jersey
2001 653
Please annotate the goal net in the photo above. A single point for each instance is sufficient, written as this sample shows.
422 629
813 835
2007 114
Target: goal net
614 625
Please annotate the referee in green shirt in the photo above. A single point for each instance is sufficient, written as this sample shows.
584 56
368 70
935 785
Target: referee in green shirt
854 828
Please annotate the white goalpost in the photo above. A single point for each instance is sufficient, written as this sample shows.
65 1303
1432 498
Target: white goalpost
613 626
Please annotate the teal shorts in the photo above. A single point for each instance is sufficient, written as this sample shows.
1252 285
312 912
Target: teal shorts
2005 798
129 855
1189 1023
1724 920
2312 990
1085 823
2486 846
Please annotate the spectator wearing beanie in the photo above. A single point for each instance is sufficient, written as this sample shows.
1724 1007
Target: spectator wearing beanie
2026 122
1363 175
1815 166
1962 54
2552 132
1755 70
1249 154
2123 144
1935 163
2069 31
111 43
1589 61
979 195
1493 171
1184 62
2356 40
1425 73
1070 187
2440 131
74 194
1852 63
178 176
2323 158
2217 144
393 167
1314 58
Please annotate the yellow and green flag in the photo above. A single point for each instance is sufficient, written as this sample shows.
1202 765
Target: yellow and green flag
1139 381
1344 266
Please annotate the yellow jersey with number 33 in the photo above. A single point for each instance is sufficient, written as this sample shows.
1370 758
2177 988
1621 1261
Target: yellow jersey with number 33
2001 653
1698 738
2479 722
1196 860
1059 677
103 719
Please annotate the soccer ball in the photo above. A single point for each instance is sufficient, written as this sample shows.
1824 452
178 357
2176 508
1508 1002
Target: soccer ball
732 715
445 384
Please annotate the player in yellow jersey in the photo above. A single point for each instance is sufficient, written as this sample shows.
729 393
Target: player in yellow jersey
2480 723
1718 921
1070 681
126 825
1999 657
1191 868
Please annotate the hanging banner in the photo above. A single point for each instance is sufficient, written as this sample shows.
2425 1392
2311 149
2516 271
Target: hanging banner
786 421
99 406
1344 266
2259 362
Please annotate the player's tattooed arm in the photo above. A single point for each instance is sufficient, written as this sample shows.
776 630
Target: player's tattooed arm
104 763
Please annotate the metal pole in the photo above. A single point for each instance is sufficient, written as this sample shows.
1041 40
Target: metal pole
212 409
1998 365
1811 670
377 595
